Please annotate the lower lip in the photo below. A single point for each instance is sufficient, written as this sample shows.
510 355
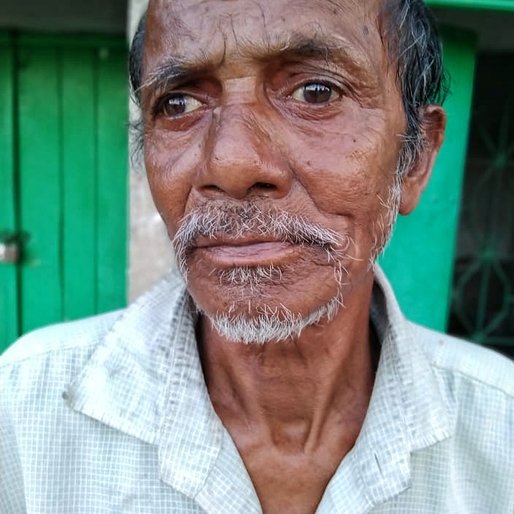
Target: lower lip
257 254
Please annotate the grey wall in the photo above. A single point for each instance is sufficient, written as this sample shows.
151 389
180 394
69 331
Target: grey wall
98 16
150 249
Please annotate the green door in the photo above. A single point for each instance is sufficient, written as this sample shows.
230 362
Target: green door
8 222
64 118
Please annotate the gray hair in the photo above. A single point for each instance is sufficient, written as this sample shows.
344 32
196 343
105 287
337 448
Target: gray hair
412 40
410 36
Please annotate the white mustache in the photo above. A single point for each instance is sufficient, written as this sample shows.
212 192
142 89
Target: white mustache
215 220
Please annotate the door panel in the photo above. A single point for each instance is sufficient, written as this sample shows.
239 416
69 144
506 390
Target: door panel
112 187
8 272
79 183
40 186
71 159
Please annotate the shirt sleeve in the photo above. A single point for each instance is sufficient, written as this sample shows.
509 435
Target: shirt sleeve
12 486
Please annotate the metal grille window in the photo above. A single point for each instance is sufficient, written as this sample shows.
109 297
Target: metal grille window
483 288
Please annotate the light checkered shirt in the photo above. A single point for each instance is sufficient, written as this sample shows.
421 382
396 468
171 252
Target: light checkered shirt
111 415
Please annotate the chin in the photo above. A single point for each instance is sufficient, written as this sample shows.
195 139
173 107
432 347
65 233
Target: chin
253 306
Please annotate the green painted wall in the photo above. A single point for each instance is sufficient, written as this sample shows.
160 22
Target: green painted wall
419 260
499 5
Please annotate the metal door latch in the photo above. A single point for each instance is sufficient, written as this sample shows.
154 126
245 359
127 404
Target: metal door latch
10 246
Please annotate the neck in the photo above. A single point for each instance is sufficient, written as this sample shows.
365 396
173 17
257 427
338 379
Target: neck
295 391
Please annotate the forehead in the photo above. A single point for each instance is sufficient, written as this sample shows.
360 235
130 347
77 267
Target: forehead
211 29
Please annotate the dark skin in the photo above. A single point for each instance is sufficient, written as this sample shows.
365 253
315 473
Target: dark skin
244 102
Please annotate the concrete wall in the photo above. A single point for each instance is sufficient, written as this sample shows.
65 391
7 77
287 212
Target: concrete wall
150 249
64 16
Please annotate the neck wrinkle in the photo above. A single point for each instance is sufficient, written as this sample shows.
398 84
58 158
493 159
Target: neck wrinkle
294 390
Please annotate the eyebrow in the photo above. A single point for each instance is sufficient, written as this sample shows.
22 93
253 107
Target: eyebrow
297 46
173 70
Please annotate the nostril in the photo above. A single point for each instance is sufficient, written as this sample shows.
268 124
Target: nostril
262 188
212 187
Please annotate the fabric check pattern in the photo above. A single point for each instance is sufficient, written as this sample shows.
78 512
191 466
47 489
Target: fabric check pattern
111 415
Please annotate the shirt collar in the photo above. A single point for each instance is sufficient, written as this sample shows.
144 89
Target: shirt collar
123 384
407 412
145 379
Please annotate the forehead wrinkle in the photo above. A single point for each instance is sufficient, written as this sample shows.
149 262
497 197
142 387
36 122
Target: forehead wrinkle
312 42
298 45
328 47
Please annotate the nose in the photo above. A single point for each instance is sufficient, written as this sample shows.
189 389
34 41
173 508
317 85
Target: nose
241 158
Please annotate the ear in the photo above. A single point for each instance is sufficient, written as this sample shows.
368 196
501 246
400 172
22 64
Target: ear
433 123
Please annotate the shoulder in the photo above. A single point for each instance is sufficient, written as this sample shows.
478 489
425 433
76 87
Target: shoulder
51 357
467 361
65 338
41 362
61 337
477 386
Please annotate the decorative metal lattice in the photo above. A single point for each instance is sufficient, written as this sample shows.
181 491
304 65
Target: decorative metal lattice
483 292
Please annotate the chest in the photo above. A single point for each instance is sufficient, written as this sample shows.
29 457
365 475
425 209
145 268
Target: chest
292 482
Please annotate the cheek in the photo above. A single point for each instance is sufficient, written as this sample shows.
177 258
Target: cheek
345 167
170 166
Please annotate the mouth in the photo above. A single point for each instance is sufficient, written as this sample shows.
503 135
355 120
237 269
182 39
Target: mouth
247 252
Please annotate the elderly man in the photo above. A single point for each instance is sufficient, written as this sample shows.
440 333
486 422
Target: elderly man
276 372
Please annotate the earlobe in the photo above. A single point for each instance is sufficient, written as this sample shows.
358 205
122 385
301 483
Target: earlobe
416 179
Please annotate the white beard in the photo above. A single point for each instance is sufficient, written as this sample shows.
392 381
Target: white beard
271 325
266 323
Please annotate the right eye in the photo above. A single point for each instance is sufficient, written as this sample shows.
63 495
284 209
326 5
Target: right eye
178 104
316 93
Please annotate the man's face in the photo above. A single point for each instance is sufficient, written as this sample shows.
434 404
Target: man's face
272 135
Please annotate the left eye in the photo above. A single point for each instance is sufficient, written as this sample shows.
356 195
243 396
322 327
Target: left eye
178 104
315 93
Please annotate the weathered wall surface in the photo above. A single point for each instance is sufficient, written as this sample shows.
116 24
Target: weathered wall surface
149 247
69 16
